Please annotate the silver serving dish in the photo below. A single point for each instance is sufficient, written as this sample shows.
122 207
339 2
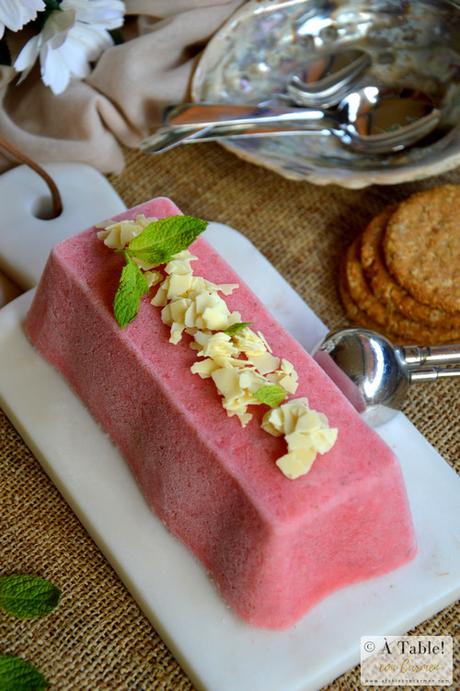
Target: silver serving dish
411 43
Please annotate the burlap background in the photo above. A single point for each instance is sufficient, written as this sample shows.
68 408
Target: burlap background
98 638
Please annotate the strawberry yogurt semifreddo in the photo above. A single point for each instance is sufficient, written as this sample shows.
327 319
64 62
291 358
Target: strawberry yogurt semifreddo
274 546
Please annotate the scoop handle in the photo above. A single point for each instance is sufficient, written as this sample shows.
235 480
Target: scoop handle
416 356
432 374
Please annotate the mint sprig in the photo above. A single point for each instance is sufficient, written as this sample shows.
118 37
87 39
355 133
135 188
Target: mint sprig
157 244
236 328
271 394
131 288
27 597
17 674
160 240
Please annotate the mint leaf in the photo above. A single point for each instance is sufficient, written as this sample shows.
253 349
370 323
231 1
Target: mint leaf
27 597
271 394
162 239
131 288
236 328
17 674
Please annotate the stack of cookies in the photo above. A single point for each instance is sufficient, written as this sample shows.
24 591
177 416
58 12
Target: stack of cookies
401 276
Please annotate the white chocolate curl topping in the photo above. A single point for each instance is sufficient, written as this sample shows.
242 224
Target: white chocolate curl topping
306 432
239 363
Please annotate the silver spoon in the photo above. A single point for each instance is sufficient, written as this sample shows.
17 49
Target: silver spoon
374 375
370 120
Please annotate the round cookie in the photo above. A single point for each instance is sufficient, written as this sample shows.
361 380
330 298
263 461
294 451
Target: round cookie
357 315
389 320
422 246
385 287
359 289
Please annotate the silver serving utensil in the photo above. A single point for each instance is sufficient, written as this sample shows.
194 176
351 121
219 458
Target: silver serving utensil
375 375
328 78
371 120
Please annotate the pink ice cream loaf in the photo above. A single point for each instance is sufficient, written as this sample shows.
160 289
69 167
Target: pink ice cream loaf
273 546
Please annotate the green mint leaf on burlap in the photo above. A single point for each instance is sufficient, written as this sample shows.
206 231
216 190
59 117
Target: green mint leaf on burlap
27 597
160 240
236 328
131 288
271 394
17 674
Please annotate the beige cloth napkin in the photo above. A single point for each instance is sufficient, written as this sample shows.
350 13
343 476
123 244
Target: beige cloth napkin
121 101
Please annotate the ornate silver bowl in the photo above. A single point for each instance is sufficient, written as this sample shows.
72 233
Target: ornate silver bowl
412 44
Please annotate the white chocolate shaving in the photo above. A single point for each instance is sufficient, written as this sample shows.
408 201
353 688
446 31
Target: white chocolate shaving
240 363
249 342
153 278
117 235
306 431
286 376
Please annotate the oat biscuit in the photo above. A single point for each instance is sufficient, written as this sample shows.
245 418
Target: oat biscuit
359 288
387 320
384 285
422 247
355 313
359 317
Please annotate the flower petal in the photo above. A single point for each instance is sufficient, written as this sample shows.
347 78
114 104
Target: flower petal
53 70
28 55
104 14
72 37
15 13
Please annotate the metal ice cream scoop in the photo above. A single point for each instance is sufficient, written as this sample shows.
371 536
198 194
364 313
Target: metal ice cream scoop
374 374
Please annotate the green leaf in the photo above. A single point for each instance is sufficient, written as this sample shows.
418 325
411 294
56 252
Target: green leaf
27 597
17 674
236 328
162 239
131 288
271 394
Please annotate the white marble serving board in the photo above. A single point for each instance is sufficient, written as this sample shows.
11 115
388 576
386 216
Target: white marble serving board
217 650
25 238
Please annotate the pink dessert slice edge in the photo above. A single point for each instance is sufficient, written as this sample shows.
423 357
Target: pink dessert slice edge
273 546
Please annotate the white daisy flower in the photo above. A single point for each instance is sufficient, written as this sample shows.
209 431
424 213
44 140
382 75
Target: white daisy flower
72 37
15 13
